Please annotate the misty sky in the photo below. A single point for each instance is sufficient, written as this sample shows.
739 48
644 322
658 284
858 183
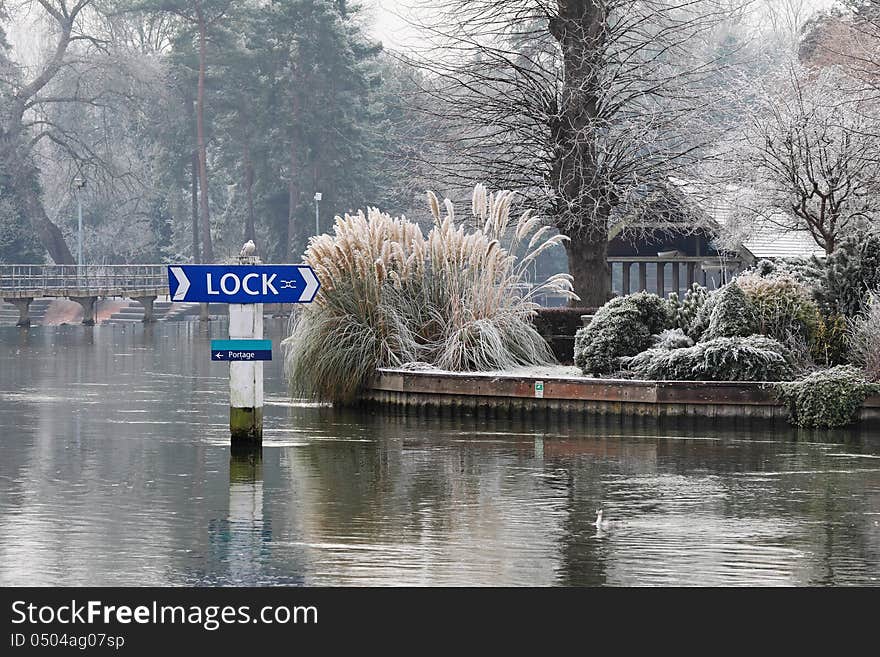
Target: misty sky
388 18
390 25
391 28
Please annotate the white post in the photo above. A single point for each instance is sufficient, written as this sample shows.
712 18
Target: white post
246 378
317 202
79 231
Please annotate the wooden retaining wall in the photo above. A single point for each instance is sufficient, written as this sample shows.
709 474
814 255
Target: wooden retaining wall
452 393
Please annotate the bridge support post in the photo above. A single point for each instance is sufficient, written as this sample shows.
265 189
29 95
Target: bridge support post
147 303
88 306
23 305
246 378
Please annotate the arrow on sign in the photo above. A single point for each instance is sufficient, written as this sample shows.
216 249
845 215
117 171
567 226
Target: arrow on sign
182 283
311 285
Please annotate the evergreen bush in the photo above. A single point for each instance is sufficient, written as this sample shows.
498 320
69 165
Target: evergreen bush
672 339
827 398
700 323
754 358
622 327
809 272
683 312
783 307
732 315
849 273
829 344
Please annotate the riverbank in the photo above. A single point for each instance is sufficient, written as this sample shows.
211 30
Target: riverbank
562 391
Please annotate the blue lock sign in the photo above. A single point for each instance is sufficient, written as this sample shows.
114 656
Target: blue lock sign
242 283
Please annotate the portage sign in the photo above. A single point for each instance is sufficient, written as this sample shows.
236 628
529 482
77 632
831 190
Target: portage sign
241 350
242 283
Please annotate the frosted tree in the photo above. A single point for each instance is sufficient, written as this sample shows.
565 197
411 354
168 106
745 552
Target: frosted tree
808 157
587 107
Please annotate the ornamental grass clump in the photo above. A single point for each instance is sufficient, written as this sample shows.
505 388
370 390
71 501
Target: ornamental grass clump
863 337
753 358
828 398
391 296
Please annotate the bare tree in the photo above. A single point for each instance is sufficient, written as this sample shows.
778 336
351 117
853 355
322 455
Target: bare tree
23 126
587 107
809 158
787 19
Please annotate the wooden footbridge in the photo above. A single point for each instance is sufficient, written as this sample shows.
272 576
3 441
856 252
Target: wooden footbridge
21 284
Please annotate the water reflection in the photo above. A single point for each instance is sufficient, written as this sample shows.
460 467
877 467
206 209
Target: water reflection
116 470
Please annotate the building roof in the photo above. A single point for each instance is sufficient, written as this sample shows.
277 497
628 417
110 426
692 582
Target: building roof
770 237
770 241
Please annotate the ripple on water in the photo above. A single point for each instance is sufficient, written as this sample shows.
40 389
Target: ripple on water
146 487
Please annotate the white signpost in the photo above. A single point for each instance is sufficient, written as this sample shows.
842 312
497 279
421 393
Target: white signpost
246 378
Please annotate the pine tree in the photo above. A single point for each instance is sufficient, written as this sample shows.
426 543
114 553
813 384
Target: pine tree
850 273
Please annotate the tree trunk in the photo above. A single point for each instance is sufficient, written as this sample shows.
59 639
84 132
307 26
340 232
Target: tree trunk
194 188
26 186
588 265
207 247
249 227
49 234
292 188
584 195
194 180
24 183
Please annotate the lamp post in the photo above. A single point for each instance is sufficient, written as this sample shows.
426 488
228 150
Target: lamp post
79 183
317 202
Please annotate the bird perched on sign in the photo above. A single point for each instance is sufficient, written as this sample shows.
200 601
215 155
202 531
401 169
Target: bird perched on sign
249 248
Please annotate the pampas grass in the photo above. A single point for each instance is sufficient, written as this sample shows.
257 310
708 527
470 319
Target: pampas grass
863 336
391 296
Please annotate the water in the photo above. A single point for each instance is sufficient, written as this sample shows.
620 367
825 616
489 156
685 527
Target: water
116 470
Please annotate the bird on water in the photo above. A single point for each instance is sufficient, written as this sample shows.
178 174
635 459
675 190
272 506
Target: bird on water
249 248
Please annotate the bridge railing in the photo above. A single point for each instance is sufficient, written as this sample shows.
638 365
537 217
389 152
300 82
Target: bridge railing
43 278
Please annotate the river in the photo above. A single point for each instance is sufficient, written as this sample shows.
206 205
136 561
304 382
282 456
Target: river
116 470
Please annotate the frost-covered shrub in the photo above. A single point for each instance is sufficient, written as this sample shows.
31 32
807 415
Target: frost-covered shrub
700 323
622 327
806 271
827 398
732 315
783 307
684 311
849 273
863 336
391 295
672 339
755 358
